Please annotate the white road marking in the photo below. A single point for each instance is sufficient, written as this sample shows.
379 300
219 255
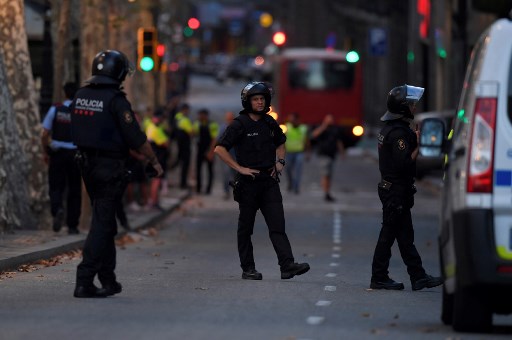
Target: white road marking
330 288
315 320
331 275
323 303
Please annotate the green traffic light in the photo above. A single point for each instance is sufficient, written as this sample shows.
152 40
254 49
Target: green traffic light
147 64
410 57
352 57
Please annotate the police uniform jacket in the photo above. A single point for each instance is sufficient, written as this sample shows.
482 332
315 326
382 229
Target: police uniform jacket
396 142
102 119
58 121
255 142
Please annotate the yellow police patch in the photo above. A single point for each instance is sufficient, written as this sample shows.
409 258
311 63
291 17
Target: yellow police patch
401 144
128 118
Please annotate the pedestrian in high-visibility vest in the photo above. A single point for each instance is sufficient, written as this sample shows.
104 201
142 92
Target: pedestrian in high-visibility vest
296 145
206 132
183 137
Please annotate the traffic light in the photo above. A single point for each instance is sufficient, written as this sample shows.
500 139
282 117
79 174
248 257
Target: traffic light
279 38
193 23
160 53
352 57
146 49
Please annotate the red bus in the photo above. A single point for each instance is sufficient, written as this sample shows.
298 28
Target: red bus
314 82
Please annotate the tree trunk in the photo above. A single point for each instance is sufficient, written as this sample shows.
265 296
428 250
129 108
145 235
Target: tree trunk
62 47
23 177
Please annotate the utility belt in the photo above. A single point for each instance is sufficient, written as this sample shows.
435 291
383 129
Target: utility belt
263 174
61 151
92 153
387 185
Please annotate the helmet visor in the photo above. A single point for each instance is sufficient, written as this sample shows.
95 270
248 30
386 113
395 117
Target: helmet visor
130 69
413 94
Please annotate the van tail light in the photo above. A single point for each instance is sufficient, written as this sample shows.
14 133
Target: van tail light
481 152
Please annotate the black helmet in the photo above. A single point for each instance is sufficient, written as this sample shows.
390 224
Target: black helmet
255 88
110 67
399 100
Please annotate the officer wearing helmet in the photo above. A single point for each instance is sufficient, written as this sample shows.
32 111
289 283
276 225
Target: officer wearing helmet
398 149
104 129
259 147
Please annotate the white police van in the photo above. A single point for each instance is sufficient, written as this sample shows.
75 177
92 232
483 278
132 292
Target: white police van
475 237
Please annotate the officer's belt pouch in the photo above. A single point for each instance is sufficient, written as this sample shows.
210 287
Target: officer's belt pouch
383 184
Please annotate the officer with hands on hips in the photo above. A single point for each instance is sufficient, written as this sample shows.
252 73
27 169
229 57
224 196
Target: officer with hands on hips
398 149
260 152
104 129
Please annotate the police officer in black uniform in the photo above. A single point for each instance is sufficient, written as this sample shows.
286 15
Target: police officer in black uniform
104 129
259 148
63 172
398 149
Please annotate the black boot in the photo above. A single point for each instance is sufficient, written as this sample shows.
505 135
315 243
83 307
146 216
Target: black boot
89 291
112 288
427 282
251 274
289 271
386 284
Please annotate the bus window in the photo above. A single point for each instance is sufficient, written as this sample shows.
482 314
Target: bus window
320 75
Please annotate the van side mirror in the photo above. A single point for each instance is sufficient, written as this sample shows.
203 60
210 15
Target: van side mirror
432 134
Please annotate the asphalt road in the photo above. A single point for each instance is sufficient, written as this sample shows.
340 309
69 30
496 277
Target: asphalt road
182 279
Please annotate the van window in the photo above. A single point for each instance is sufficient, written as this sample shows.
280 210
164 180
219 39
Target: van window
464 112
320 75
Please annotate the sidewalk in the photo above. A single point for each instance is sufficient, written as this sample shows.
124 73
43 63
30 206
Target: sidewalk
27 246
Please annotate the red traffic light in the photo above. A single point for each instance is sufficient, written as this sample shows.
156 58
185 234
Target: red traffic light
279 38
160 50
193 23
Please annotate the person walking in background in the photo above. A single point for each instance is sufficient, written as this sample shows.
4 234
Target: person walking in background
398 149
184 140
104 129
63 172
157 133
329 141
259 146
206 132
228 174
296 144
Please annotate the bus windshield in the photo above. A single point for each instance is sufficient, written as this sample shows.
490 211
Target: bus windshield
320 74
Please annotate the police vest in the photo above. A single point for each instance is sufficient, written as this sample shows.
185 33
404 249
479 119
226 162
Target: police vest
61 126
388 170
206 133
93 124
256 149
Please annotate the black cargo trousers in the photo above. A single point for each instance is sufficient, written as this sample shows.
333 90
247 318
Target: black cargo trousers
105 180
64 175
397 202
261 193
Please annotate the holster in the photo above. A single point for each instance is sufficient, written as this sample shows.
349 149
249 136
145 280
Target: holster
81 160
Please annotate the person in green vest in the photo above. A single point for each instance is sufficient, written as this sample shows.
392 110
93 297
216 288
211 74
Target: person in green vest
297 143
206 133
157 134
183 137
